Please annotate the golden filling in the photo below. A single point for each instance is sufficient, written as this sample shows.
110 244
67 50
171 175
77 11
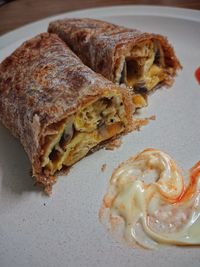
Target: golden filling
71 139
142 68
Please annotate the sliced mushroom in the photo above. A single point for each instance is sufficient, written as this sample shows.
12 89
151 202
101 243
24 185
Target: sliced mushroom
159 54
133 70
100 123
123 74
140 87
67 135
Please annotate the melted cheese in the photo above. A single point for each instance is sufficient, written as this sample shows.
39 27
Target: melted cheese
148 213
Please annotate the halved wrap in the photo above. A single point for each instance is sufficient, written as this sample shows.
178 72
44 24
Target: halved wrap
58 107
142 61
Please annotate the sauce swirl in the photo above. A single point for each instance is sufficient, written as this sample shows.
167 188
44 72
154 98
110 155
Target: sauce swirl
164 211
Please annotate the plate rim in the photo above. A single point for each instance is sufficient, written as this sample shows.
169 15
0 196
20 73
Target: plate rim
135 10
126 256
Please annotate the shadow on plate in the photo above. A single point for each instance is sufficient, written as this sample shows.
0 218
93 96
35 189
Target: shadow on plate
14 166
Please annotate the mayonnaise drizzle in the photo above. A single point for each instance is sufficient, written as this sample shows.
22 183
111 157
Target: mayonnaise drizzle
164 211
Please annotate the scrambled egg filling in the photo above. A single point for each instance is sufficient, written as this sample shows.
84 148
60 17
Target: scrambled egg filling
142 69
70 140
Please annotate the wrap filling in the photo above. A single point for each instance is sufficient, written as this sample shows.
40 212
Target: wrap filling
143 68
69 140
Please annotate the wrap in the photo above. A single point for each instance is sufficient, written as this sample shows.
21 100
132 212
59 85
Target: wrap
58 107
142 61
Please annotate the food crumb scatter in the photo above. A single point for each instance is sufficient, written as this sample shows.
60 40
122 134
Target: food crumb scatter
103 167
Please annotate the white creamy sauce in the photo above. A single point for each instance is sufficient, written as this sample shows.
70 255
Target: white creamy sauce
152 213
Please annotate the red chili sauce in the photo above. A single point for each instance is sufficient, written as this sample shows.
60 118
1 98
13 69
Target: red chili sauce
197 74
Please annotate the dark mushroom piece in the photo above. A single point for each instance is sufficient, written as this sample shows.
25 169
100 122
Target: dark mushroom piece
159 55
140 88
67 135
123 74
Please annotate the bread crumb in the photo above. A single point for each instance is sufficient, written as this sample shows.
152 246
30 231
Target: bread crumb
113 144
153 118
138 123
103 167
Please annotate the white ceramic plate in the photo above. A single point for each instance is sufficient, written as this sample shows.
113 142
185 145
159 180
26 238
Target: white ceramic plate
64 230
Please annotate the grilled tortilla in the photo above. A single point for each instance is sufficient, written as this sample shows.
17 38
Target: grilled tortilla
142 61
58 108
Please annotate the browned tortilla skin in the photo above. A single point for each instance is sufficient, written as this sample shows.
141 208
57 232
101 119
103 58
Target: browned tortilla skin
99 44
42 82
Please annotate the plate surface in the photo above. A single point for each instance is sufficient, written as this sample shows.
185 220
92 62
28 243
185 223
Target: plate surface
64 230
